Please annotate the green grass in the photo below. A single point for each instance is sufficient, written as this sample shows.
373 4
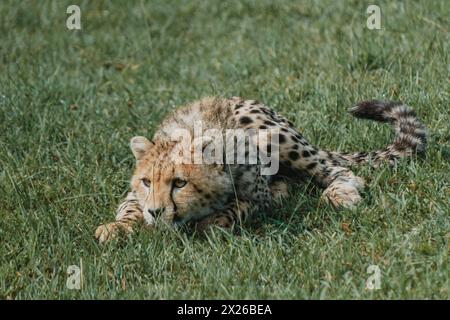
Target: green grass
71 100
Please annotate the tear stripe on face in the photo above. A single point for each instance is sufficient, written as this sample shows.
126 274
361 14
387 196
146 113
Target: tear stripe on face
148 217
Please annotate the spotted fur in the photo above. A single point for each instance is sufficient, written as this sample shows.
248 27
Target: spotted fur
225 195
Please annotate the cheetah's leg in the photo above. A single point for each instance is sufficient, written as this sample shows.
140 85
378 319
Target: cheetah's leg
129 213
236 213
341 185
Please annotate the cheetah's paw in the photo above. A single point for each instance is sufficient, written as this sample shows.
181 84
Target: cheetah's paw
109 231
342 197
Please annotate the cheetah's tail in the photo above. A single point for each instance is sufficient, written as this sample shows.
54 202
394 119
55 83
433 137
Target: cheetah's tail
410 134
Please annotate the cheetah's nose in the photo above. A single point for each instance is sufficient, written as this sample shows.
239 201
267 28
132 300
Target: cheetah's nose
156 212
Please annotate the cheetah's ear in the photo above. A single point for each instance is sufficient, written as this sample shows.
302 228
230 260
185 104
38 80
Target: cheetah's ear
140 146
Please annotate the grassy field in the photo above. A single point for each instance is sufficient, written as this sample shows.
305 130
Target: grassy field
70 100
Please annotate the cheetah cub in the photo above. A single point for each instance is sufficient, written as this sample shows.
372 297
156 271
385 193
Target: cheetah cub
225 193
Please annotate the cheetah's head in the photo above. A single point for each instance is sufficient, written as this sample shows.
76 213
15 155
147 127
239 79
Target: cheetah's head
175 192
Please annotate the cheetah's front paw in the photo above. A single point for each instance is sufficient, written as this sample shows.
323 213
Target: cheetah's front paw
109 231
215 220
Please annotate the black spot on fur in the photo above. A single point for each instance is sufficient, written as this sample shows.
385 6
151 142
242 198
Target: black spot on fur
306 154
245 120
269 123
311 166
293 155
255 111
263 127
197 188
281 138
268 111
298 138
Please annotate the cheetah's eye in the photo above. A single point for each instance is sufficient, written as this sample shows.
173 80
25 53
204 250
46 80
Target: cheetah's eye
179 183
146 182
